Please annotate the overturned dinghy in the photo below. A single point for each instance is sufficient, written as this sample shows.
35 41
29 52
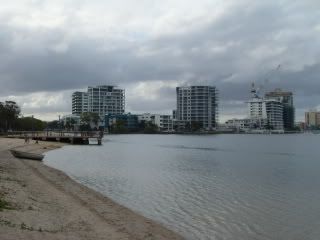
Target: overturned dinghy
26 155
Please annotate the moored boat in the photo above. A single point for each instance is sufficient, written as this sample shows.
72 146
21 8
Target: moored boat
27 155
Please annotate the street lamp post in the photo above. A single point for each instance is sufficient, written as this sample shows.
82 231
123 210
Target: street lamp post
32 129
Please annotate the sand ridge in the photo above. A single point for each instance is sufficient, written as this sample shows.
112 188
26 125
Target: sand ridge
47 204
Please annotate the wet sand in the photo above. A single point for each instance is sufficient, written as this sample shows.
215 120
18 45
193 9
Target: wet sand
46 204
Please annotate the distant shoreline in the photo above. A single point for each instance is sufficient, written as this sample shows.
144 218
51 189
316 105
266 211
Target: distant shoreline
44 203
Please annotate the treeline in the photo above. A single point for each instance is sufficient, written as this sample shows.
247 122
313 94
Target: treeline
9 113
11 119
121 126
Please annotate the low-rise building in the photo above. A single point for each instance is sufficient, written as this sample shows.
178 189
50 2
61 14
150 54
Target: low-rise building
164 122
240 124
127 121
71 121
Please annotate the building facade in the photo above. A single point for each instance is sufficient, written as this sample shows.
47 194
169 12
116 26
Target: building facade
128 121
164 122
79 102
312 119
198 105
106 100
265 113
274 109
102 100
239 124
286 98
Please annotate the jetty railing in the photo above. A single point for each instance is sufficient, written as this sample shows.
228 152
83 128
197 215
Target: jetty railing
74 134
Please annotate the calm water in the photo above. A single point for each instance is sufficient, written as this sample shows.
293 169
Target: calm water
208 187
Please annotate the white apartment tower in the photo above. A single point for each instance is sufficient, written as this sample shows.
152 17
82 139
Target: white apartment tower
102 100
106 100
79 102
198 104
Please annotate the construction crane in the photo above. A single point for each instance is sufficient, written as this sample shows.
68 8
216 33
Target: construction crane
266 80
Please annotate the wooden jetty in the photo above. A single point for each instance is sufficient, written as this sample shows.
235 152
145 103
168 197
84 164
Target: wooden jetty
73 137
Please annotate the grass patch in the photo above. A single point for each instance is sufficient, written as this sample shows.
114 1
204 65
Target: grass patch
7 223
4 205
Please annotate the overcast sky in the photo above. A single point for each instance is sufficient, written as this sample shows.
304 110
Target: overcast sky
48 49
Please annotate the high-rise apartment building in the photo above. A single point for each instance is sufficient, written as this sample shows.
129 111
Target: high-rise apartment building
286 98
106 100
265 113
79 103
198 105
100 99
274 109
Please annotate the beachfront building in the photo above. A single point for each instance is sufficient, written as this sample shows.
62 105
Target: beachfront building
286 98
106 99
239 124
197 105
265 113
127 121
312 119
102 100
79 102
257 112
164 122
274 109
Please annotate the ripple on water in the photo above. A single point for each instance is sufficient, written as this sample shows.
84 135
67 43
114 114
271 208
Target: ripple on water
208 187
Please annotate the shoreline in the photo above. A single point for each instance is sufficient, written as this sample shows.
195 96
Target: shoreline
45 203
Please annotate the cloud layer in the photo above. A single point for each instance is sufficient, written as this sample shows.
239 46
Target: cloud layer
50 48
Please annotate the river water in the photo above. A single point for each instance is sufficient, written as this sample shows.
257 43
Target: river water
210 186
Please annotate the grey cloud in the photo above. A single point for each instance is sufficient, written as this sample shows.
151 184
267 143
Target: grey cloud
230 52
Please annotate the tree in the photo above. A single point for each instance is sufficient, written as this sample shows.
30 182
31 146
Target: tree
88 121
70 124
9 112
53 125
196 126
30 124
150 128
119 127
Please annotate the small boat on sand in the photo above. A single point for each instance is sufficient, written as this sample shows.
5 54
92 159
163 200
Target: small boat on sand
27 155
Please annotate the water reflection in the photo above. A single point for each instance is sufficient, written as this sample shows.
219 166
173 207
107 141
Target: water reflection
208 187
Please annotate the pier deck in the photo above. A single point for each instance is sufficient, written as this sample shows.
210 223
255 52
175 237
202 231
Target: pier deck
72 137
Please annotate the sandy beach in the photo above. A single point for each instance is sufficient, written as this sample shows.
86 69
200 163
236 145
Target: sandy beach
39 202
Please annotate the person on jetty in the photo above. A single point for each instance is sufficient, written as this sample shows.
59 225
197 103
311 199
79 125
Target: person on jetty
26 139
